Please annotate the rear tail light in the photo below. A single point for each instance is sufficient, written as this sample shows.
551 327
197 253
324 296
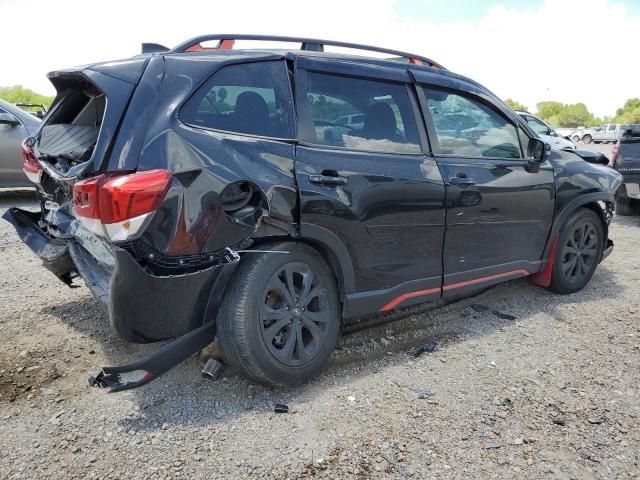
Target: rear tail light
30 166
117 206
614 154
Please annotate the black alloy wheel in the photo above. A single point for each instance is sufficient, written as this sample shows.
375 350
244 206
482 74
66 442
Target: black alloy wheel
279 319
295 314
579 252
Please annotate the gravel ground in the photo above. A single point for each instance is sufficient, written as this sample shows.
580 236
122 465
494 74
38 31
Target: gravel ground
538 385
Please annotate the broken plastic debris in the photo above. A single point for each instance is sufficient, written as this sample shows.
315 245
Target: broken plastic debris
427 347
476 307
281 408
503 316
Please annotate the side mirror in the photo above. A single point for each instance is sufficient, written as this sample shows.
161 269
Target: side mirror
537 152
8 119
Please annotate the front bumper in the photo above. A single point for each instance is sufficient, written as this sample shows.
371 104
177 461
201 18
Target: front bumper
142 307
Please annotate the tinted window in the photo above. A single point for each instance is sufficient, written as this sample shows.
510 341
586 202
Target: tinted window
469 128
379 114
251 98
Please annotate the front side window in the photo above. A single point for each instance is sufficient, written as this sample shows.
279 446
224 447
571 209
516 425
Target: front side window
250 98
360 114
468 128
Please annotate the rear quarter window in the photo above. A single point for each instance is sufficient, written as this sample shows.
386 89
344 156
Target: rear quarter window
248 98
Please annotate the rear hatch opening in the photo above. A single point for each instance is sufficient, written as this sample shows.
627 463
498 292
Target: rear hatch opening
70 131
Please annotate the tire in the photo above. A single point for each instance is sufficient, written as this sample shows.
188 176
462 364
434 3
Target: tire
587 138
257 327
625 206
576 138
582 233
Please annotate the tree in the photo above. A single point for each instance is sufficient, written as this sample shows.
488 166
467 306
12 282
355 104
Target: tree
629 113
513 105
549 111
563 115
19 94
576 115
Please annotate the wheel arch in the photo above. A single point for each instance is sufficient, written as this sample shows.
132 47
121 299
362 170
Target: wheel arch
329 247
334 252
591 201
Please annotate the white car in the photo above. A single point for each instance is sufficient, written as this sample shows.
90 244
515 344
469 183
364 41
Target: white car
547 133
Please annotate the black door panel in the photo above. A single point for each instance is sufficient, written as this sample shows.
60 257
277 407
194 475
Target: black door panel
362 175
389 213
499 214
504 217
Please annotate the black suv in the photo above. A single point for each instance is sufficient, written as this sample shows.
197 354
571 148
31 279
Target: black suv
204 191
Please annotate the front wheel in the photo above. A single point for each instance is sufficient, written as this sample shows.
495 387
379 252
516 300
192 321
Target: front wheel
280 317
578 252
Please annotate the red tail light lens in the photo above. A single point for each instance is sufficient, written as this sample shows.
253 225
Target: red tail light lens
85 197
30 166
124 197
110 203
614 154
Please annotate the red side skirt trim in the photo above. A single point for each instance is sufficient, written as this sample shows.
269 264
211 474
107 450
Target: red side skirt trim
406 296
398 300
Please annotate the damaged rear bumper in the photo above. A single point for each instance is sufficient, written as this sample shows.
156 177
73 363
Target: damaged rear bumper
143 307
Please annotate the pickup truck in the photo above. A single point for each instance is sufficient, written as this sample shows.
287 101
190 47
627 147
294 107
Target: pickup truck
625 158
609 132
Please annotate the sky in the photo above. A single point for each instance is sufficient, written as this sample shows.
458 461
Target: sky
564 50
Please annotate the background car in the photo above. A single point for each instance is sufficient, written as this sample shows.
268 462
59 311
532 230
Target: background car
548 133
37 109
15 126
625 159
609 132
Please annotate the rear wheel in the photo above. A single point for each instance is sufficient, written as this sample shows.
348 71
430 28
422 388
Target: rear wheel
280 318
587 138
578 252
576 138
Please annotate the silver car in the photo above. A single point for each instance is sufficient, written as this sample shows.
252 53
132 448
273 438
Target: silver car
548 133
15 126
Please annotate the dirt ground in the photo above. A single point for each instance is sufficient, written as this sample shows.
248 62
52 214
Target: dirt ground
551 393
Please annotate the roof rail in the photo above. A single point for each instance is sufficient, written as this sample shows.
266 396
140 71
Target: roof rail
227 41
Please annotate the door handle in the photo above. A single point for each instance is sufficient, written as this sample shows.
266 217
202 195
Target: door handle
328 179
462 181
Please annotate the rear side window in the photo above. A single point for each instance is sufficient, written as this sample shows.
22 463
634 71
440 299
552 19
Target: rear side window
360 114
248 98
468 128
